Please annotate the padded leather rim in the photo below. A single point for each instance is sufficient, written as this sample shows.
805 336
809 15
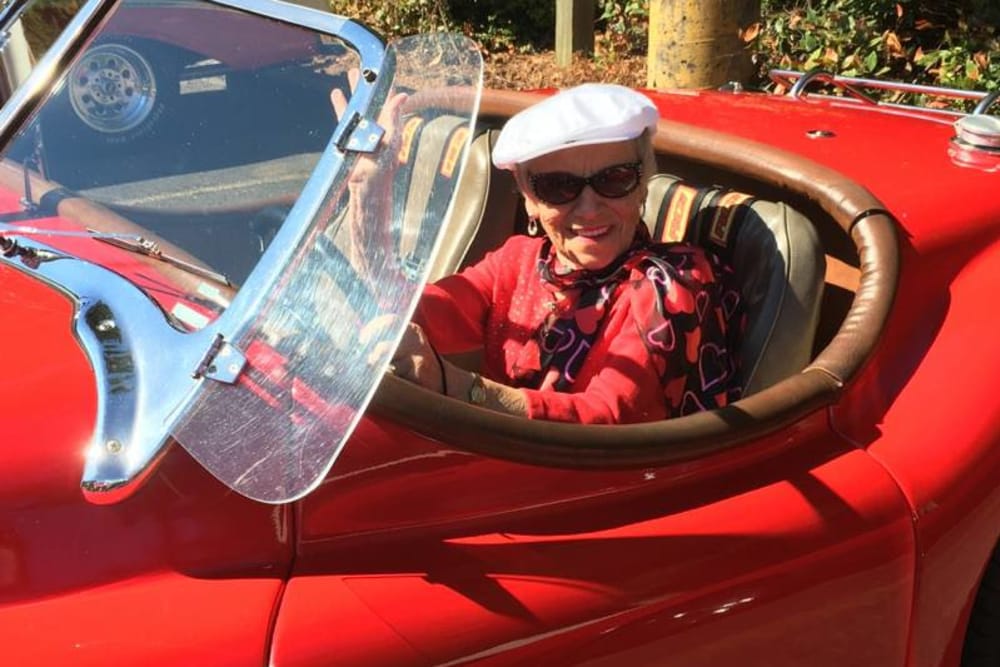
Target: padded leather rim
855 209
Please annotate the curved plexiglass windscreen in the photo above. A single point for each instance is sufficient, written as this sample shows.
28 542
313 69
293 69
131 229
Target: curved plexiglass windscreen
184 128
274 433
193 150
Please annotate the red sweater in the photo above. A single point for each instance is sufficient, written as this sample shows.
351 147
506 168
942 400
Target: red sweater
498 306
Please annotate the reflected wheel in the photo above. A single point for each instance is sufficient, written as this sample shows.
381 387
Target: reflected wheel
113 88
120 89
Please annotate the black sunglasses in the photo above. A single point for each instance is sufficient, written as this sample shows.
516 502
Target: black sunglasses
614 182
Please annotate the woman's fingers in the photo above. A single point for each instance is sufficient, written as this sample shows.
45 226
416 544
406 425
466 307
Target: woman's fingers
337 98
416 360
372 335
339 102
413 359
391 112
376 327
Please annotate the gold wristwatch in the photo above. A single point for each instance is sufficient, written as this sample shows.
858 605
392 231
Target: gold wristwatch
477 390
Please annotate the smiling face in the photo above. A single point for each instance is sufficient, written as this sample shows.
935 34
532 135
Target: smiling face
590 231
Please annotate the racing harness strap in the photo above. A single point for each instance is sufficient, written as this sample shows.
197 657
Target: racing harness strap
707 216
430 155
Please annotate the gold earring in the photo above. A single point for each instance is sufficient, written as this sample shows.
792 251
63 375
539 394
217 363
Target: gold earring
533 227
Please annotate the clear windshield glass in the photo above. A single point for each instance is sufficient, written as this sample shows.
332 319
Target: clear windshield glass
191 149
275 433
189 124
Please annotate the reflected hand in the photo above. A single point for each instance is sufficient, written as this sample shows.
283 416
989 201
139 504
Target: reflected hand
368 217
388 119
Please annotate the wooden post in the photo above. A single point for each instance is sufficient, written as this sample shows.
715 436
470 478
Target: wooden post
574 29
16 61
697 43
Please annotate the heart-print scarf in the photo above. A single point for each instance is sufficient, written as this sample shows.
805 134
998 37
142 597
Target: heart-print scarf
691 335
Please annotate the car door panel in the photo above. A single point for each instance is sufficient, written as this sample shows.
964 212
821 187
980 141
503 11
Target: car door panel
512 564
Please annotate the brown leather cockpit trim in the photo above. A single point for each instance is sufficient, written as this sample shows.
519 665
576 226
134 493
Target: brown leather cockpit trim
851 206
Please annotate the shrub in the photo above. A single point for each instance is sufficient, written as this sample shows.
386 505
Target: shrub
938 42
946 43
501 25
498 25
507 25
625 26
397 18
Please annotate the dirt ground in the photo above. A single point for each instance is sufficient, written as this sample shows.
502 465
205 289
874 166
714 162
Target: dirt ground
526 71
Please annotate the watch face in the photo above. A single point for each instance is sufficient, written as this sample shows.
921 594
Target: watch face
477 392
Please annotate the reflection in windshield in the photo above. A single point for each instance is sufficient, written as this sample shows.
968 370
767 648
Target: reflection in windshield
189 125
43 20
168 156
274 433
29 28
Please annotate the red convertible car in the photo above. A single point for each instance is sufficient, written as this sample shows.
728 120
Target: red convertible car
201 467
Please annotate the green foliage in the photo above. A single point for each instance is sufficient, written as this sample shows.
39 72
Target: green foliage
956 44
952 43
839 36
397 18
502 25
498 25
625 26
507 25
943 42
44 20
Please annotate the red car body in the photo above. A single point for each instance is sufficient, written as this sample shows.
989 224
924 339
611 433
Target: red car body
858 535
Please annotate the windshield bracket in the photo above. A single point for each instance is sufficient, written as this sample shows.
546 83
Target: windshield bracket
222 362
361 135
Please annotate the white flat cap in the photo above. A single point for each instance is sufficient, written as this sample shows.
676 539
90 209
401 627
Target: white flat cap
594 113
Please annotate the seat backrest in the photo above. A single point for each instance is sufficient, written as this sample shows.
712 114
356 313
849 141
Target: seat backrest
487 208
777 258
486 199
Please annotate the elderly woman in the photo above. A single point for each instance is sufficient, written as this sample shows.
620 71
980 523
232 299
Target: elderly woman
586 321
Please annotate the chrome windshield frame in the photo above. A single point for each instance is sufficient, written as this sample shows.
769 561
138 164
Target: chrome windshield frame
134 424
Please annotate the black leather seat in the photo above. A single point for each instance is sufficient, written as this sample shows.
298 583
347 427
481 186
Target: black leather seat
778 260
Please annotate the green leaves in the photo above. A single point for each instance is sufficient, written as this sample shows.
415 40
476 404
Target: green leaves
625 25
939 42
954 43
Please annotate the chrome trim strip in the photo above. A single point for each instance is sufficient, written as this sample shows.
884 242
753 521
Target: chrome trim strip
9 13
46 69
798 81
985 103
823 76
142 368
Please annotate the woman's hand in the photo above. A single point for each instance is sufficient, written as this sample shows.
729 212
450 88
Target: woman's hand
417 361
414 360
370 210
388 120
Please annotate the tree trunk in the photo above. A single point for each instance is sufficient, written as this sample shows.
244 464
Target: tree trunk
698 43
